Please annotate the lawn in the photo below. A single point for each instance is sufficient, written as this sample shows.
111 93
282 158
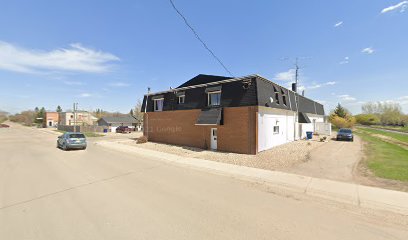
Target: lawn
400 129
384 159
87 134
399 136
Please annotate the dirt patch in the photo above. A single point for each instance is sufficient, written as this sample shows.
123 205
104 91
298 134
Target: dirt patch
278 158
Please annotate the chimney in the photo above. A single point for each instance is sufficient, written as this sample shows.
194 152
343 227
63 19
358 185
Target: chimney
294 87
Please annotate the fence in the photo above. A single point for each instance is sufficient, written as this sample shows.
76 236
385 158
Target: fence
69 128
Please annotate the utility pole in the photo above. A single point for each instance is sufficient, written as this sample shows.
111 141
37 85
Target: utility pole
75 122
296 98
146 115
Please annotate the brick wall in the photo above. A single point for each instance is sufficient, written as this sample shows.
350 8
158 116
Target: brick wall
238 134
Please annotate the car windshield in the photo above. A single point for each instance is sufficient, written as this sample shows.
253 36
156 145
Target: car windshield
345 130
76 135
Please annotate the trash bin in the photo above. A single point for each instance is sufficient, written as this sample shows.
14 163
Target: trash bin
105 130
309 135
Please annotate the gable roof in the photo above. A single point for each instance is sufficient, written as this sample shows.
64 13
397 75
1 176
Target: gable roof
120 119
203 79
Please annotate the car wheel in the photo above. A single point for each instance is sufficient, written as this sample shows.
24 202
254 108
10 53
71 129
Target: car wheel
64 147
337 139
352 139
84 148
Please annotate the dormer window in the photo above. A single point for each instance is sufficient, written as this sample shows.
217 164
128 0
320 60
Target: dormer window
181 99
284 97
158 104
276 95
214 98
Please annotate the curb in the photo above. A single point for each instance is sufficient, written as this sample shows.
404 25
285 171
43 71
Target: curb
349 193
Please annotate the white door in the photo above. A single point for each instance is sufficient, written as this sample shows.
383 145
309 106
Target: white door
213 138
113 129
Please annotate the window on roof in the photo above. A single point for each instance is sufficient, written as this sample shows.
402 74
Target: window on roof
158 104
181 99
214 98
284 97
276 95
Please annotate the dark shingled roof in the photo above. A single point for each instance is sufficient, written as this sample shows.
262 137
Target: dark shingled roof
202 79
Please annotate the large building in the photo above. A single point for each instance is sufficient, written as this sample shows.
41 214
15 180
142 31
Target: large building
244 115
50 119
77 118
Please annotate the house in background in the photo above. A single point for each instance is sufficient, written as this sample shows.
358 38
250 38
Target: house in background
79 118
50 119
244 115
113 122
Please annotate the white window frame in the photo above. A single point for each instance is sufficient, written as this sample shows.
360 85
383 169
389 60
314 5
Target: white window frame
155 104
181 99
209 97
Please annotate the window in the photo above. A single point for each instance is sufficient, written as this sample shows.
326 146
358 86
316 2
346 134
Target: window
214 98
276 94
284 97
275 129
158 104
181 99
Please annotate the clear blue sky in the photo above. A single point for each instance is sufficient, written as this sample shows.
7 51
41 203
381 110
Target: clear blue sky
104 54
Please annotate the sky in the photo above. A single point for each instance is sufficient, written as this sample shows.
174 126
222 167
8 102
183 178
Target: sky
105 54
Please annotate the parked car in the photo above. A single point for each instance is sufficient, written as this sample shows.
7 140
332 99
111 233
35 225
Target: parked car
123 129
72 140
4 125
345 134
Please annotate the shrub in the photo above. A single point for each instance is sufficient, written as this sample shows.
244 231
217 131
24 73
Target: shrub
367 119
141 140
340 122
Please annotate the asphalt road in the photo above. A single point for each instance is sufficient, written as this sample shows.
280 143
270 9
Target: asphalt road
46 193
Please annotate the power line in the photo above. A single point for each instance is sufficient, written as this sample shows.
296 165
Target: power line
199 39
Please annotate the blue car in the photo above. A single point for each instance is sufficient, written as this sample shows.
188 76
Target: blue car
71 140
345 134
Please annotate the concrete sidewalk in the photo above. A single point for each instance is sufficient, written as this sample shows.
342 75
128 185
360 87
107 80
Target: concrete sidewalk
349 193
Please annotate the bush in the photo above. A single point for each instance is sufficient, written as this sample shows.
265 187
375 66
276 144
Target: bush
141 140
367 119
340 122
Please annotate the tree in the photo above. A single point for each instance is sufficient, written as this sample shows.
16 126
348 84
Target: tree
367 119
138 111
389 113
340 111
59 109
341 117
40 116
36 109
131 112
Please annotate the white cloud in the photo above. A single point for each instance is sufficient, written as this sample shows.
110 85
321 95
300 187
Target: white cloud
286 76
74 83
346 98
368 50
338 24
85 95
321 85
119 84
345 60
402 6
76 58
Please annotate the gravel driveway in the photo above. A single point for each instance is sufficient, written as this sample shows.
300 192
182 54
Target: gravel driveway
336 160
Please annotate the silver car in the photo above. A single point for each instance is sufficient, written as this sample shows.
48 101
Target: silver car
71 140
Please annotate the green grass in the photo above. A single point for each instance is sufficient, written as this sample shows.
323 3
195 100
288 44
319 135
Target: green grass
400 129
87 134
398 136
385 160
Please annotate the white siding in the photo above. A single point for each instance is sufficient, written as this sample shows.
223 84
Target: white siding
267 119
